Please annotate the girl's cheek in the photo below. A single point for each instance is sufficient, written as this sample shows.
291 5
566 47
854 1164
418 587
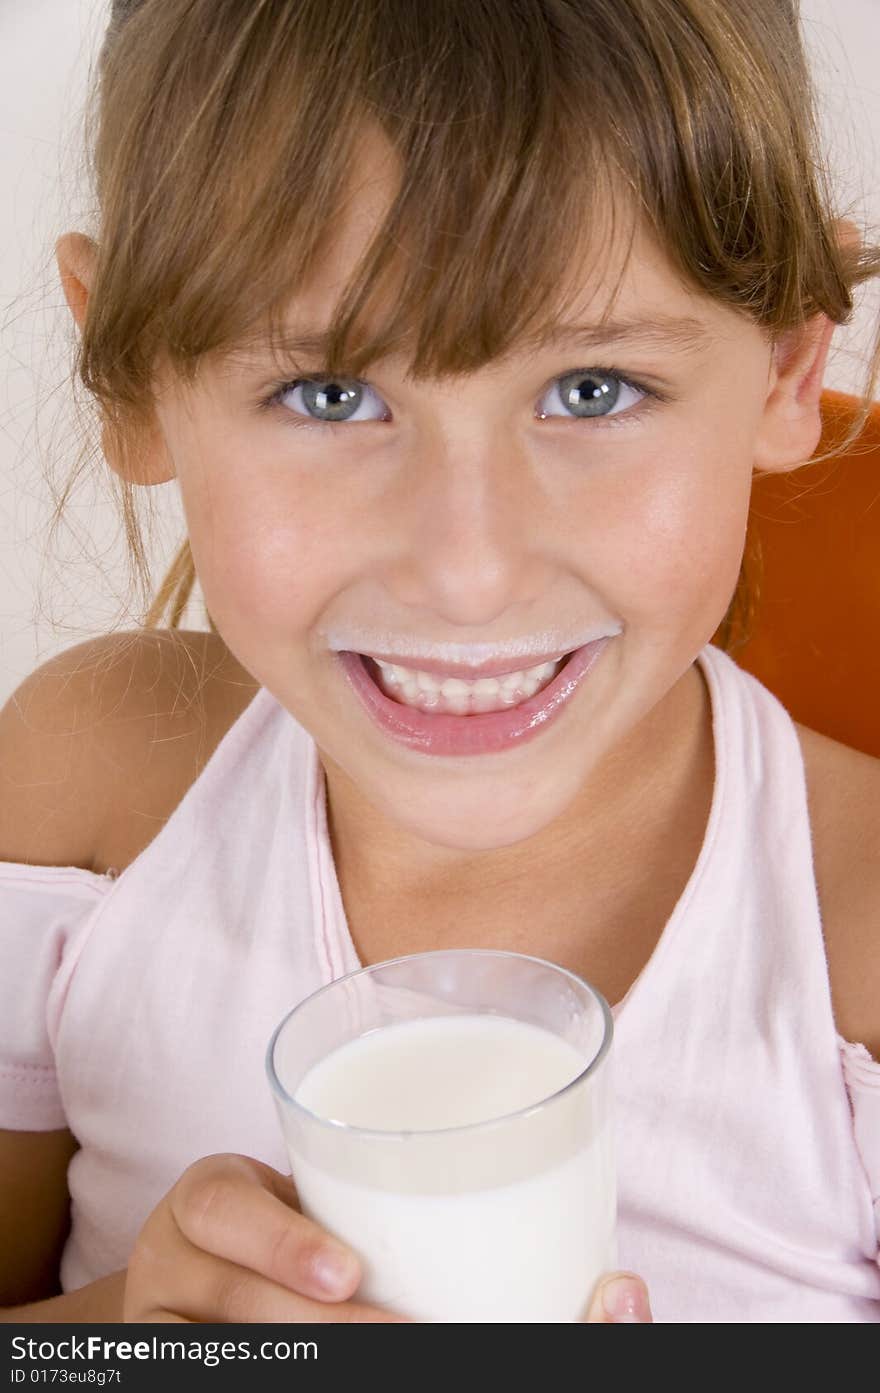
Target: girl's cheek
271 559
675 536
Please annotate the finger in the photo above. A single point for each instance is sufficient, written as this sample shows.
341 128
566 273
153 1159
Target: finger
283 1186
239 1210
214 1290
169 1276
620 1299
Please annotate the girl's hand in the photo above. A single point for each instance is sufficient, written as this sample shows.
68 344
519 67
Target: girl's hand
227 1244
621 1298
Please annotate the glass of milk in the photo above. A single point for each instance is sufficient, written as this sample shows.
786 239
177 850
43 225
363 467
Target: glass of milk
448 1115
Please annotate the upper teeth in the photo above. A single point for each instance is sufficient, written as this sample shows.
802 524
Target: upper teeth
459 686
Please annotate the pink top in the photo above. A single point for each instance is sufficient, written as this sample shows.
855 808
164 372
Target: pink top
136 1011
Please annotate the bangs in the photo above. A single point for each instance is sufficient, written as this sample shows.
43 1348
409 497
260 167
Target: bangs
517 133
494 174
457 271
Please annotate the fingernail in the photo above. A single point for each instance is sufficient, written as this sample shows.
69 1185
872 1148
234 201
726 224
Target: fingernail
334 1268
625 1301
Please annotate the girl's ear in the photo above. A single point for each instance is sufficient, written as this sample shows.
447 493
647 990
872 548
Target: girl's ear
792 422
145 460
76 255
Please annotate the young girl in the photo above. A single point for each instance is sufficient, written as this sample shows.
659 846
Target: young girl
462 327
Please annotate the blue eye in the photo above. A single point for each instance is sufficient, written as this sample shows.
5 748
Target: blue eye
587 393
583 394
326 401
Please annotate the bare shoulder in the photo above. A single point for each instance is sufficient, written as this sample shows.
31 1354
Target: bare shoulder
99 745
843 790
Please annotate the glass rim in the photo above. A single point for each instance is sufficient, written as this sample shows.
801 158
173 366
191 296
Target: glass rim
349 1129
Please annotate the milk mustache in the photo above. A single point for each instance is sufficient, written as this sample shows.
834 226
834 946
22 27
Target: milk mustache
510 1220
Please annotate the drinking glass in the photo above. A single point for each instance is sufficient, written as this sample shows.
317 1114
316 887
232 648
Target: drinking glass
448 1115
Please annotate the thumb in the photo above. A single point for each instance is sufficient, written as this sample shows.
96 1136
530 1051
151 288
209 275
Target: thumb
620 1299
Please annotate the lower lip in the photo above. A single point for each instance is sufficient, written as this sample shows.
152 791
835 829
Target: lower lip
486 733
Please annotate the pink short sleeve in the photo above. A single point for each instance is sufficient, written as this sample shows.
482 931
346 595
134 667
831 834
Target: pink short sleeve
862 1076
40 908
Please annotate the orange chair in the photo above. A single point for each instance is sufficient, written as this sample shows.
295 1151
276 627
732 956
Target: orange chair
814 549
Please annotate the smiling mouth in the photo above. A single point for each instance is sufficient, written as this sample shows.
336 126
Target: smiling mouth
430 726
456 696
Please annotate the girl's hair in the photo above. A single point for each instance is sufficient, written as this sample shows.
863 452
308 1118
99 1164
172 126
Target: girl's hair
222 136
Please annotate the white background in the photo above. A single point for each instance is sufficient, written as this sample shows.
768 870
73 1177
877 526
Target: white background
46 47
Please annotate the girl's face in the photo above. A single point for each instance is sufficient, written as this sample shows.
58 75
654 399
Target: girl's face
480 510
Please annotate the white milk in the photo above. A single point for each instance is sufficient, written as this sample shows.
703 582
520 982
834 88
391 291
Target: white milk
511 1222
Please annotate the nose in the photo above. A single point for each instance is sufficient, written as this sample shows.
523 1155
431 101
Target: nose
469 521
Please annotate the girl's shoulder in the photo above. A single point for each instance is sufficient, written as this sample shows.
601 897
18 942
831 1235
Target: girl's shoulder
843 794
100 744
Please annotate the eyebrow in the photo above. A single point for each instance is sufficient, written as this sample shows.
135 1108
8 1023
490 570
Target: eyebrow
665 331
682 333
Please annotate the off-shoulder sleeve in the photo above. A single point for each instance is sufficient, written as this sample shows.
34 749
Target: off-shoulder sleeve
862 1075
41 908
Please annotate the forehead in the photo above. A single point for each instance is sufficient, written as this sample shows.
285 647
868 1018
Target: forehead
643 310
613 279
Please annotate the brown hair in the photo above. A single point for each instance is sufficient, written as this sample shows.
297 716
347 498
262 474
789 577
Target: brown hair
221 134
